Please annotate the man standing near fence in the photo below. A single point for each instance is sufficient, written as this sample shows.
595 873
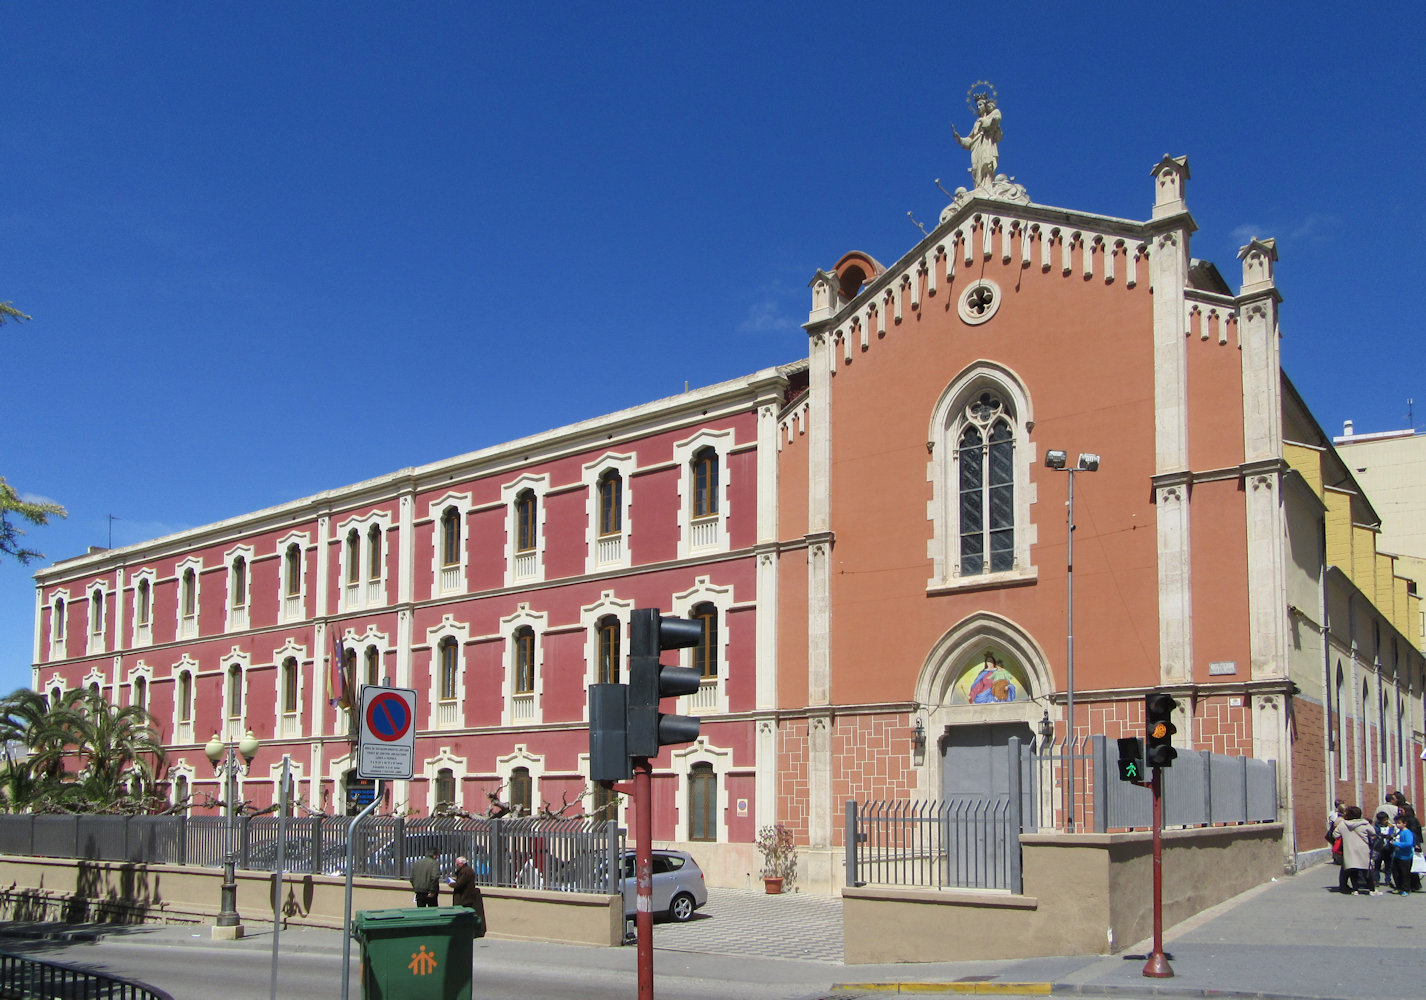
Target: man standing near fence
426 880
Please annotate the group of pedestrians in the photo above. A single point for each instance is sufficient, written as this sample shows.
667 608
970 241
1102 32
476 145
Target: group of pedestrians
426 883
1381 851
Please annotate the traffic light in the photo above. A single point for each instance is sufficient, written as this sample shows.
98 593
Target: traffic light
608 752
1131 759
649 635
1159 729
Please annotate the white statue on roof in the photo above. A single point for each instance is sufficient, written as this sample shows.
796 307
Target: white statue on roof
984 145
985 135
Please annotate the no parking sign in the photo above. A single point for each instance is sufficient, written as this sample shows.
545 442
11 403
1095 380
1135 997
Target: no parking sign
387 745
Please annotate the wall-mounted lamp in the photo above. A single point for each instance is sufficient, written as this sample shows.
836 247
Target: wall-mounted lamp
918 737
1047 729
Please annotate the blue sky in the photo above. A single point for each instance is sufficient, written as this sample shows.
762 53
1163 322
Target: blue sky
274 248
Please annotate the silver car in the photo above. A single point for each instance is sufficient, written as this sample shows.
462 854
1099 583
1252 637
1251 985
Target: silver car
677 883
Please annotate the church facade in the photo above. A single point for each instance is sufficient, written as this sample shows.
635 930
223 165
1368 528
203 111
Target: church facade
875 536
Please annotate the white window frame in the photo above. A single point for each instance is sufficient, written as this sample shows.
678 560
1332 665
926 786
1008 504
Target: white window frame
434 510
442 715
59 626
606 552
94 679
608 605
535 764
681 763
239 616
527 567
180 769
188 627
143 631
186 732
292 607
235 726
432 767
531 714
713 698
944 547
95 626
288 725
141 671
721 441
367 592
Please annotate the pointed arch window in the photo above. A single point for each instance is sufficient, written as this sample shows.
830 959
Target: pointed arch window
705 483
144 611
525 521
235 692
238 593
521 791
611 503
185 697
524 660
373 666
289 686
609 630
353 557
705 654
450 537
986 457
373 553
445 787
702 802
450 668
59 623
292 566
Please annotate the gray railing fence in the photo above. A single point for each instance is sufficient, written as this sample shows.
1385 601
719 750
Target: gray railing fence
31 977
973 841
574 855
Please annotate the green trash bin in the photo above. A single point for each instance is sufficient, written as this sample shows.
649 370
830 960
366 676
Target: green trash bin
423 953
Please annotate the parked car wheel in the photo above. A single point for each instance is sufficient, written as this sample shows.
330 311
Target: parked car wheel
681 907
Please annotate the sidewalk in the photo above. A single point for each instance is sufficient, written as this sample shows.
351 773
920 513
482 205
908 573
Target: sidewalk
1290 938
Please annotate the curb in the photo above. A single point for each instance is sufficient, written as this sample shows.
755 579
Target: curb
1019 989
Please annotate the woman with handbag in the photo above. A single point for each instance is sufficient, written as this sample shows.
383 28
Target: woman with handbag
1356 852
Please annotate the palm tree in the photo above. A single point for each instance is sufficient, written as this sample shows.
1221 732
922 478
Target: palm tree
83 753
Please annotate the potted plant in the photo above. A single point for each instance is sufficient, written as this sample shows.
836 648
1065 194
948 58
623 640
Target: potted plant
779 853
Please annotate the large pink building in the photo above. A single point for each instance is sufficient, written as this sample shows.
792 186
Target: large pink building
871 535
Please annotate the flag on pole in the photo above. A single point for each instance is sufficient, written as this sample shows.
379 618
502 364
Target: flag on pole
338 688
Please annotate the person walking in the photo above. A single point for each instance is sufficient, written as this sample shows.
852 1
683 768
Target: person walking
1405 845
426 880
464 892
1356 851
1383 837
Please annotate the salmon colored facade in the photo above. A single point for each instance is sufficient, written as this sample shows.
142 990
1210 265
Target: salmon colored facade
875 537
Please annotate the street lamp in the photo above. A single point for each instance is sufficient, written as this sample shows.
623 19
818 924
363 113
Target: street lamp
1088 462
226 766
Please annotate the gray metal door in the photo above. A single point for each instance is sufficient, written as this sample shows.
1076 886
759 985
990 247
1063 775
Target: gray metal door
981 841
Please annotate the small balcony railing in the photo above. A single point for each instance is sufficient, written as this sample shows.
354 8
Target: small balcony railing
188 627
448 714
237 619
609 549
375 594
525 565
450 579
704 533
522 708
706 697
290 726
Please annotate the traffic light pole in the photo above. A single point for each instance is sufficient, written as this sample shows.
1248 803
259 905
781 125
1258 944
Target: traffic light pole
643 873
1157 967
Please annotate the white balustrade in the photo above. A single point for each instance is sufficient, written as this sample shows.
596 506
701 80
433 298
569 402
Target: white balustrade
351 595
143 635
374 594
524 565
704 533
447 714
292 607
188 627
450 579
183 732
291 725
237 619
706 697
609 549
522 708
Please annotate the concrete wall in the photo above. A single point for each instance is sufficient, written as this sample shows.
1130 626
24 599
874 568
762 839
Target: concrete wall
64 889
1084 894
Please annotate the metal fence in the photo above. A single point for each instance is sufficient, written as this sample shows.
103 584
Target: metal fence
30 977
571 855
973 841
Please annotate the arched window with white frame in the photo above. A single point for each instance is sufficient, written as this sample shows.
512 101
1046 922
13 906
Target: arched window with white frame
525 531
703 490
980 468
96 636
239 587
143 583
189 587
59 609
524 659
449 551
447 685
293 548
607 512
708 604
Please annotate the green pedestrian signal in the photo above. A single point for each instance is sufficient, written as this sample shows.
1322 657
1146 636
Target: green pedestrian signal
1131 759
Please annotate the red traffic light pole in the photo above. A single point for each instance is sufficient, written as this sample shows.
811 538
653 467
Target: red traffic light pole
1157 967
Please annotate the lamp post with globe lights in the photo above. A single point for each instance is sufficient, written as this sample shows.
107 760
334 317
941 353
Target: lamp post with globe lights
226 765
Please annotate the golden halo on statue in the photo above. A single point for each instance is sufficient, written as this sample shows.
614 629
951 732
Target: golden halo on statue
987 90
